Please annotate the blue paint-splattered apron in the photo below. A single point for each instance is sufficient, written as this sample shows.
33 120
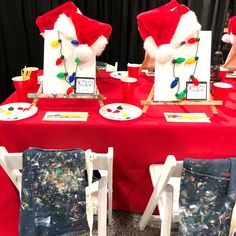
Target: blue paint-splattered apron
207 197
53 200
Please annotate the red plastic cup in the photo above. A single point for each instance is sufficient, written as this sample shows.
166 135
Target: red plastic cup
222 73
128 87
221 91
22 87
133 70
33 77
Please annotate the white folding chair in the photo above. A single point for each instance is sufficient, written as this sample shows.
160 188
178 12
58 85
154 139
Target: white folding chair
97 191
166 183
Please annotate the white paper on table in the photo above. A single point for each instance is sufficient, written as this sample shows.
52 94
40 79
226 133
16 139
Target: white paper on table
186 117
66 116
164 72
52 84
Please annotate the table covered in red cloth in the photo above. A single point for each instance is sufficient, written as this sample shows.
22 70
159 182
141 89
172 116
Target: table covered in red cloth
137 143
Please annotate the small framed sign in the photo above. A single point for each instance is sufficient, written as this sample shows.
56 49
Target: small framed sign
85 85
196 92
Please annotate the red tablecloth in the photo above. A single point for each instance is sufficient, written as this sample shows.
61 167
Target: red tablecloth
137 143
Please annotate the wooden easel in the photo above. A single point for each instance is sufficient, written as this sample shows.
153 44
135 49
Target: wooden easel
39 94
150 101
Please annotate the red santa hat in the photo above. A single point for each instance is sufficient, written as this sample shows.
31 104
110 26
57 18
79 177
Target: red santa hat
164 28
48 20
230 37
91 32
68 20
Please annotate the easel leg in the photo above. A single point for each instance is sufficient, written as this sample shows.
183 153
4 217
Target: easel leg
214 109
100 100
150 96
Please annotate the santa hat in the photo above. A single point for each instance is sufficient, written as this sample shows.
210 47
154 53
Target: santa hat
68 20
164 28
48 20
230 37
91 32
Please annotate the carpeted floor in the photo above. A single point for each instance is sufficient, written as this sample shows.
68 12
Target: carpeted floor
127 224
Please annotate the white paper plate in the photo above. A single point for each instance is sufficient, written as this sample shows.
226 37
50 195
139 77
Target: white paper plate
14 111
119 74
231 75
120 111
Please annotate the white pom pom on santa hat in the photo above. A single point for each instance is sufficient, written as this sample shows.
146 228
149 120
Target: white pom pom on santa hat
164 28
84 53
230 37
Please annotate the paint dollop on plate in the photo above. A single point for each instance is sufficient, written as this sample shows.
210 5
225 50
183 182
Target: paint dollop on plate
119 74
120 111
16 111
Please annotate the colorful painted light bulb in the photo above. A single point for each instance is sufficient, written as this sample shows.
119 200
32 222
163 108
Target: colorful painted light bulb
179 60
72 77
55 43
74 42
192 40
195 81
190 60
181 95
61 75
70 90
174 82
77 60
59 60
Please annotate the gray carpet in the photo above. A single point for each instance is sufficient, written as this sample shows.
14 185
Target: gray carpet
127 224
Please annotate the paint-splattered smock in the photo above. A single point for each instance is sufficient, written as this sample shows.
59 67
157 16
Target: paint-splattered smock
207 197
53 200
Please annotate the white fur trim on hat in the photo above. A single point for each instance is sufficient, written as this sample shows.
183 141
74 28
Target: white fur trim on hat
99 45
187 27
84 53
162 54
226 38
229 38
150 46
65 26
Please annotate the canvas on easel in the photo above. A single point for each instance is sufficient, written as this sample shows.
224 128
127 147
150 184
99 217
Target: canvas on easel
71 43
179 74
173 38
53 84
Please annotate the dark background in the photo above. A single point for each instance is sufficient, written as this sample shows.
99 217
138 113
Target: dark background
21 44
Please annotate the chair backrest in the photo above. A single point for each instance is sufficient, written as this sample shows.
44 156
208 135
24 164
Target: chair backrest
12 164
160 179
104 162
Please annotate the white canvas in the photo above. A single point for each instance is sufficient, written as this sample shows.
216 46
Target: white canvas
52 84
164 72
